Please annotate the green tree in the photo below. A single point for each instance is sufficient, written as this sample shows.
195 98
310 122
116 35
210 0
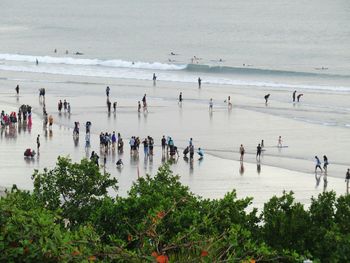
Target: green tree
75 188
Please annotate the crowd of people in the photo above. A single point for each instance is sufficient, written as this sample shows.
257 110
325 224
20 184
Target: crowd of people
113 141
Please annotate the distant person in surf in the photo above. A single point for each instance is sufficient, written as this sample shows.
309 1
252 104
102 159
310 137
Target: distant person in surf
36 61
267 98
299 96
325 163
114 107
154 78
144 102
17 89
199 83
294 93
107 91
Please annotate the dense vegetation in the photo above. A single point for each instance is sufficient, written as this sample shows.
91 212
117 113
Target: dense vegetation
69 217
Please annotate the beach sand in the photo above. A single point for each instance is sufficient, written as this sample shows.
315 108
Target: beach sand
303 128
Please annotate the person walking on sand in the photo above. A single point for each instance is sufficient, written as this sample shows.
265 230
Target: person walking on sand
299 96
267 98
241 151
325 163
107 91
294 93
258 152
229 104
115 107
38 143
347 179
199 83
279 143
17 89
317 164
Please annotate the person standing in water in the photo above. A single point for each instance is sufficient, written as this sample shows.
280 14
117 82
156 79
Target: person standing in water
180 98
347 179
279 143
154 78
325 163
115 107
267 98
241 151
107 91
317 164
299 96
199 83
258 152
294 93
17 90
139 107
38 143
211 104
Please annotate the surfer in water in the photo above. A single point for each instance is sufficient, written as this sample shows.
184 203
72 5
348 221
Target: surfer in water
294 93
267 98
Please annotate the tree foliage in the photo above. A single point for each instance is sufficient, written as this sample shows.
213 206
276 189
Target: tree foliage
69 217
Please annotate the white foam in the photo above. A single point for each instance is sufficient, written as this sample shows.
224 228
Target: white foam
143 72
117 63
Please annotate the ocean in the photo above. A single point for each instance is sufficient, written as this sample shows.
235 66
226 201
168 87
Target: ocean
267 43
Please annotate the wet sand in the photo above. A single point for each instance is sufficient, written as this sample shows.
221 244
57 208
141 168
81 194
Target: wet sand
219 133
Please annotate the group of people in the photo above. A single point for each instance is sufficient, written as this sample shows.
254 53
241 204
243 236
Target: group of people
111 141
65 105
